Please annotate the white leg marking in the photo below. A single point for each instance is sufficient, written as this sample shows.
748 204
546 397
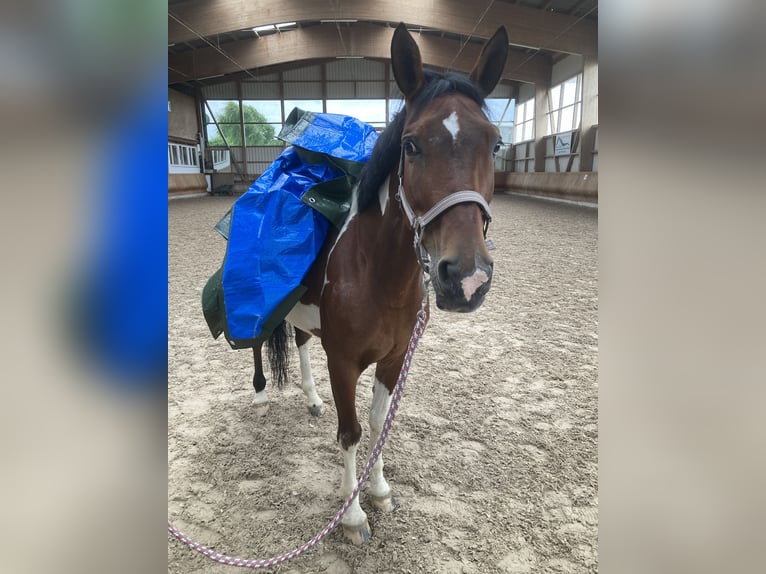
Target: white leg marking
452 125
354 516
305 317
307 381
381 399
260 398
383 196
261 403
472 283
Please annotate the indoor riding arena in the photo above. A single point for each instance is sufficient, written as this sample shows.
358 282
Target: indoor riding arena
493 456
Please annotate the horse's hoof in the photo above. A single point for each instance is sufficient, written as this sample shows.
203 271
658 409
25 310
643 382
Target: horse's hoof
357 535
383 503
316 410
261 409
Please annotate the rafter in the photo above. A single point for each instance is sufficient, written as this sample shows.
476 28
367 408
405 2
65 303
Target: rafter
365 40
526 26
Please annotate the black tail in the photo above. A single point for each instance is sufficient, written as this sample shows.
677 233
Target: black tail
278 355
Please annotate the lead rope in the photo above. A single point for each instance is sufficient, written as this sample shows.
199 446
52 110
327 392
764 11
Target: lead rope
420 326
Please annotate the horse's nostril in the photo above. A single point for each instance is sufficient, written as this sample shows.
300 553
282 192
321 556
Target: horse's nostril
449 270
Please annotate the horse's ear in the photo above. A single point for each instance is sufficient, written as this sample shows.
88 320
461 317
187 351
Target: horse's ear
406 62
491 63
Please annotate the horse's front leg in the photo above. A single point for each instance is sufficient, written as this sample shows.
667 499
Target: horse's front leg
343 377
261 400
313 402
378 489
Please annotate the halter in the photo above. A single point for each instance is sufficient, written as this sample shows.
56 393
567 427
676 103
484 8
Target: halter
419 222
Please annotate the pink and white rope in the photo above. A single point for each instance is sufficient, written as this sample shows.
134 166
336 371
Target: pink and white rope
396 396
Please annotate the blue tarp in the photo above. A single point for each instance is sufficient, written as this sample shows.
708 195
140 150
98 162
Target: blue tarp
274 234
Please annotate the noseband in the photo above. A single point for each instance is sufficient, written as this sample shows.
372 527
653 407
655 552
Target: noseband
419 222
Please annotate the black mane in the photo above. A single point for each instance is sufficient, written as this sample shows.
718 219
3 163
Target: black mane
387 149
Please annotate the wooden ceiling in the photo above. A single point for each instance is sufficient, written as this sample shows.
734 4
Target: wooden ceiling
210 41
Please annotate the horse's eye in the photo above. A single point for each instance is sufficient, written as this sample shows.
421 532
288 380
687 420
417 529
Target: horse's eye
409 147
498 145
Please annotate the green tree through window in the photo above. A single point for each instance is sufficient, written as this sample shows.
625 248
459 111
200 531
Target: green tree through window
259 133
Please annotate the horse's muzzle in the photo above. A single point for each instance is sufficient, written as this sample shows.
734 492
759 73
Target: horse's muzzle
460 290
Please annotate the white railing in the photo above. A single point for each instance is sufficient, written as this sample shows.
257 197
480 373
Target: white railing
221 159
182 158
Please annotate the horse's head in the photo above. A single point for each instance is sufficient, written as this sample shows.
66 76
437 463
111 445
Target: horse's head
446 168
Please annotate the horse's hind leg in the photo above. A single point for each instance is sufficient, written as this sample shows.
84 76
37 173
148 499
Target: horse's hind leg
378 489
261 400
314 403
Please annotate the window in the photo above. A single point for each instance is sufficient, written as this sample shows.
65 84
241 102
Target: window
565 105
182 158
501 111
182 155
524 127
226 113
395 105
263 121
305 105
221 159
372 112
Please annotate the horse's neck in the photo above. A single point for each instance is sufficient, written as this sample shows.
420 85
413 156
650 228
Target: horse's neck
384 235
395 237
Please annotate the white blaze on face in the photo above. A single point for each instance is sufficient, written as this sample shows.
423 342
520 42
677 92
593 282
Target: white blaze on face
452 125
472 283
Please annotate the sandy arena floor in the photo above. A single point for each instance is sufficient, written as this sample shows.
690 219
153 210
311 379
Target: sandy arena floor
493 456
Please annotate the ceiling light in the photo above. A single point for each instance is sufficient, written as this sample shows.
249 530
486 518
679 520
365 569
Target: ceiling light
350 21
265 28
285 24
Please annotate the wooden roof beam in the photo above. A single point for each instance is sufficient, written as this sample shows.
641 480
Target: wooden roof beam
526 26
365 40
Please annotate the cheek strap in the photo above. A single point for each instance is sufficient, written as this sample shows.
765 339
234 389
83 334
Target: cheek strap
419 222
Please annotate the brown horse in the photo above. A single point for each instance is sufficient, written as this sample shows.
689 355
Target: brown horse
429 182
